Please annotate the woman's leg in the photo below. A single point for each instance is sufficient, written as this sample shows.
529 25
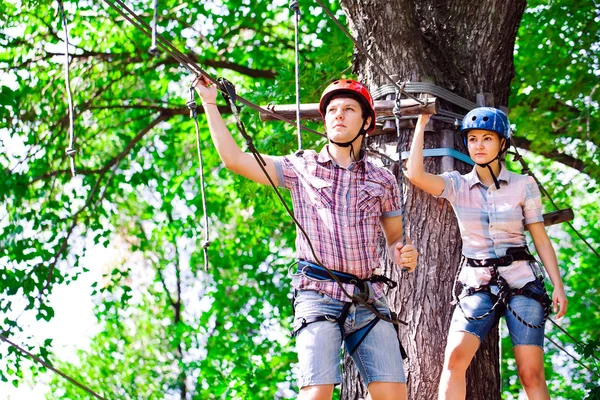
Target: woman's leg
464 337
530 364
460 349
526 330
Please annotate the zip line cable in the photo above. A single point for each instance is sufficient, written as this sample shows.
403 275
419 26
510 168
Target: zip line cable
194 115
153 49
188 63
294 5
526 169
228 91
563 330
50 367
572 356
366 53
71 149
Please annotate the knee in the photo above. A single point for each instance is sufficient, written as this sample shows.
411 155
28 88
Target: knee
532 377
457 360
317 392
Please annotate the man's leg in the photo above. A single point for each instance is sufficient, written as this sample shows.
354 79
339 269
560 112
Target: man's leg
378 357
318 345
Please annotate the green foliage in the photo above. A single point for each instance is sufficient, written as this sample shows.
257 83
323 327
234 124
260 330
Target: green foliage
166 326
555 109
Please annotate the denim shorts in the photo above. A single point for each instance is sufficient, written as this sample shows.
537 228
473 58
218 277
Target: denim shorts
479 303
318 344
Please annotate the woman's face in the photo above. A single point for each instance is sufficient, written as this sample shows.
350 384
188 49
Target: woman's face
483 145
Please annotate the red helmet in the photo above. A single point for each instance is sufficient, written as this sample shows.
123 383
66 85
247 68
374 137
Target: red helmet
356 89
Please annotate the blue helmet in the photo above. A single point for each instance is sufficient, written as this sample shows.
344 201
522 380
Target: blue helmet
489 119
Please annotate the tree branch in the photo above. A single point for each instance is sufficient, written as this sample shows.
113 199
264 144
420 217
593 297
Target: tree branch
554 154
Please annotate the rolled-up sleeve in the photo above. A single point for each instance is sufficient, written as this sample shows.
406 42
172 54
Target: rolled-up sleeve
390 203
532 204
286 173
452 180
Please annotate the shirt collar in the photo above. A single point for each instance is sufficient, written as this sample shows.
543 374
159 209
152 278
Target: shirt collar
324 157
473 178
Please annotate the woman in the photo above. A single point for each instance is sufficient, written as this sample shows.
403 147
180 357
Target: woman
499 276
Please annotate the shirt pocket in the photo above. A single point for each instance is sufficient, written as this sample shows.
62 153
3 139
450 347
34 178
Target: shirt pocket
368 204
317 193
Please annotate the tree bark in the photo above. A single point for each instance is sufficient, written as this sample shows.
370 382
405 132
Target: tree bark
467 48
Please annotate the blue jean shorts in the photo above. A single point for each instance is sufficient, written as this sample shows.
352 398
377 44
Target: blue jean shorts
479 303
319 344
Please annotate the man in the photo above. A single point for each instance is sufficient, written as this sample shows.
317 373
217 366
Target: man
344 203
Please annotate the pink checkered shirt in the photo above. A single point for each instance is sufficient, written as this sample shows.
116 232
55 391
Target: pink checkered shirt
339 208
492 220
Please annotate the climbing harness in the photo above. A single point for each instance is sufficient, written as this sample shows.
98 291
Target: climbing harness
354 339
230 96
295 7
153 50
71 149
191 104
502 296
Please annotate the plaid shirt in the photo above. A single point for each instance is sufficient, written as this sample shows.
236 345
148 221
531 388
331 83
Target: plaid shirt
339 208
492 220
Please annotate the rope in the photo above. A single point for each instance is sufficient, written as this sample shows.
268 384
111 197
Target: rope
578 361
526 169
366 53
398 114
294 5
50 367
71 149
153 50
188 63
194 115
230 98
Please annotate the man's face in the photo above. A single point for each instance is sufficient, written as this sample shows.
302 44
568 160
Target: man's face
343 119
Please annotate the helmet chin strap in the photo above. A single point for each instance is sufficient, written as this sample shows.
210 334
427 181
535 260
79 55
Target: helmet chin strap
487 164
361 132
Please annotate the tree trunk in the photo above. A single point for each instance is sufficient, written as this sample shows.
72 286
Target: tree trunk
467 48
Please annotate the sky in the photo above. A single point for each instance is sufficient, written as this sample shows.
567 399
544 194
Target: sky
71 328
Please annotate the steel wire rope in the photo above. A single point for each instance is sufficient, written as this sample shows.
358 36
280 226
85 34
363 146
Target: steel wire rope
194 68
194 115
572 356
260 161
153 49
190 64
366 53
50 367
295 6
563 330
71 149
520 159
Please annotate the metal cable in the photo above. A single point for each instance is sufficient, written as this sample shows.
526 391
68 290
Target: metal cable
190 64
194 115
426 87
563 330
153 49
294 5
71 149
50 367
366 53
570 355
526 169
